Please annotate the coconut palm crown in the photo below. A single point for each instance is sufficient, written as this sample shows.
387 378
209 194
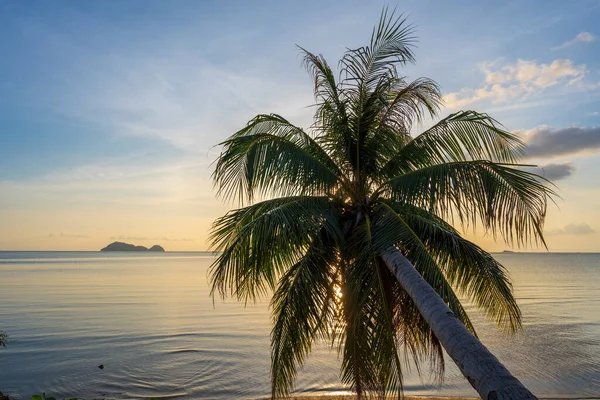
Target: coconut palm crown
320 207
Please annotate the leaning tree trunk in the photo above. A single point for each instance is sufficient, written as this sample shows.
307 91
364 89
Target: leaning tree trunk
481 368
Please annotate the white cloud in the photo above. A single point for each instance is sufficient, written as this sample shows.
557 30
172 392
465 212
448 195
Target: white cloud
514 81
583 37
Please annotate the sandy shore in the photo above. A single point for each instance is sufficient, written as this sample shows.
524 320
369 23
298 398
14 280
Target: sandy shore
328 397
349 397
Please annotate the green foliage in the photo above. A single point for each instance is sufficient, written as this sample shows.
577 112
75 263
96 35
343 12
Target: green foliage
3 338
337 197
42 397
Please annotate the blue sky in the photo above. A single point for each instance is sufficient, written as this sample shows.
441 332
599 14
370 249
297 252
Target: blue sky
110 110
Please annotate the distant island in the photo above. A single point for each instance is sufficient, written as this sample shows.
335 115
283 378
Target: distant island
120 246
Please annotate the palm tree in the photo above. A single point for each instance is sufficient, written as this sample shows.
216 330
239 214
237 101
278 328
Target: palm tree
350 224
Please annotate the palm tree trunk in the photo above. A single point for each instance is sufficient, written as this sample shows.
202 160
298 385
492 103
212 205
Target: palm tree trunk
481 368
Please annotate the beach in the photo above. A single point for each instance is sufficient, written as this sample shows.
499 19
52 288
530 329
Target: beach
346 397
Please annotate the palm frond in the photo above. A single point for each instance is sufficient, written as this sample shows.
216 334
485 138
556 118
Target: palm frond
390 230
272 156
325 85
505 199
371 362
365 118
391 44
405 105
473 271
259 242
370 351
410 103
331 116
369 74
304 309
462 136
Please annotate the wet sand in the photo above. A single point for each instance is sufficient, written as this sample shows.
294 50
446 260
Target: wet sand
347 397
350 397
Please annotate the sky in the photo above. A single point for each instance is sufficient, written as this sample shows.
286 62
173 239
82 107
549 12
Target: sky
111 111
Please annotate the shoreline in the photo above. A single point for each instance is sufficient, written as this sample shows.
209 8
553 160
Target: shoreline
353 397
419 397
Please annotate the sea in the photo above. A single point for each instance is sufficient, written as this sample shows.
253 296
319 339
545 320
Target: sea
138 325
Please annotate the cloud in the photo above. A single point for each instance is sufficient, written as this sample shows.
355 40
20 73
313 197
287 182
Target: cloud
70 236
129 238
555 172
176 239
548 142
533 74
573 229
188 90
182 97
145 238
594 114
144 179
515 81
583 37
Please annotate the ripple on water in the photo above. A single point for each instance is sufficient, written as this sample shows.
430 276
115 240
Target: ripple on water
152 324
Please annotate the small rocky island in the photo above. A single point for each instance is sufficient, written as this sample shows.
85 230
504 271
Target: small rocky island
120 246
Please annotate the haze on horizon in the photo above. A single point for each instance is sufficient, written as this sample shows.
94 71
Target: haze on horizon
111 112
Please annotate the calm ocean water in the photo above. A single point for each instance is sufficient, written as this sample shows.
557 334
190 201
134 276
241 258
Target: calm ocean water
150 321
